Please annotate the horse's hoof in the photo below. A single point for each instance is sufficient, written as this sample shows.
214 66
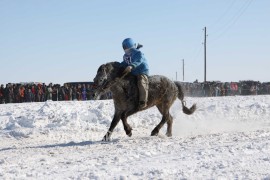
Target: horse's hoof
154 133
169 134
106 138
129 134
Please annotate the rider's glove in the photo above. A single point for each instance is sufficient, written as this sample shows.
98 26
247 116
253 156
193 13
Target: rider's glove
127 70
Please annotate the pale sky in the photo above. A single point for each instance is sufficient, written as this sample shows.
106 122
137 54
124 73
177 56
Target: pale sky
67 40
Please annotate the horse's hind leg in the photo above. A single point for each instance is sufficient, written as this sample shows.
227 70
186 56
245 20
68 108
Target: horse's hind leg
166 117
164 110
169 126
158 127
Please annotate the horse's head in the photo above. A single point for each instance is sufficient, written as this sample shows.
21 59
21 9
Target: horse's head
105 74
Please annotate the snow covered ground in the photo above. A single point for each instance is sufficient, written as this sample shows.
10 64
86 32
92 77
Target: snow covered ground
226 138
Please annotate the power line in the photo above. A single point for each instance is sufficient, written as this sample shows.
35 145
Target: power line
222 15
233 20
198 50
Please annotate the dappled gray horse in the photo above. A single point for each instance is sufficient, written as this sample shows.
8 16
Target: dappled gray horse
162 94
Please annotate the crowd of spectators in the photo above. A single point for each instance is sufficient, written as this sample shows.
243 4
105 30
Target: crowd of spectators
216 88
40 92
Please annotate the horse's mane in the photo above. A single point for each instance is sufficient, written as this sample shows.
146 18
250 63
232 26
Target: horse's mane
126 81
118 68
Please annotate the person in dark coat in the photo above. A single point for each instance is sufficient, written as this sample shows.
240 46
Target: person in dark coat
2 94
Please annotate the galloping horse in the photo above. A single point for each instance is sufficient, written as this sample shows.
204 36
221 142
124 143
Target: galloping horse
162 94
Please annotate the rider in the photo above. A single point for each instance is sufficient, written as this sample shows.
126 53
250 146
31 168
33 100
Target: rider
135 62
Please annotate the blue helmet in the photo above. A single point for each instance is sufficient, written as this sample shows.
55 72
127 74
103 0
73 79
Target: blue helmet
128 43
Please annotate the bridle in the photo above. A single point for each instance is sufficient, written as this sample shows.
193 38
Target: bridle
107 84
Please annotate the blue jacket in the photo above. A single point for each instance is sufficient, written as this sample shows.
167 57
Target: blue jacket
136 59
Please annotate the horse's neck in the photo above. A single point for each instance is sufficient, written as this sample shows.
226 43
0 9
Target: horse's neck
115 71
124 82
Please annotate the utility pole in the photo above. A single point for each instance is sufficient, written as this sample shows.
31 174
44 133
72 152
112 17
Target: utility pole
183 69
204 54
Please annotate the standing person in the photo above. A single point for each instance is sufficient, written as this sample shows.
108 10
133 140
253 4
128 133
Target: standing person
29 97
7 100
61 93
88 92
79 93
54 93
34 93
26 87
70 92
135 63
44 94
50 90
16 94
10 94
74 93
217 90
84 93
39 93
21 94
65 92
2 94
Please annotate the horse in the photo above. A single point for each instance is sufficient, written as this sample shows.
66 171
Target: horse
162 94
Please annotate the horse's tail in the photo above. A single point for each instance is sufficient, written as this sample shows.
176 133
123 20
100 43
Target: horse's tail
185 109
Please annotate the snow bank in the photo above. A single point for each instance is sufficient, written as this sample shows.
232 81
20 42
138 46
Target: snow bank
214 115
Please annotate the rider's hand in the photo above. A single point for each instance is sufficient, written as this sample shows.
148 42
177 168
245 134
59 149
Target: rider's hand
127 70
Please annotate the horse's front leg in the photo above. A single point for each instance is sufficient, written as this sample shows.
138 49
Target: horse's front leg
115 121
